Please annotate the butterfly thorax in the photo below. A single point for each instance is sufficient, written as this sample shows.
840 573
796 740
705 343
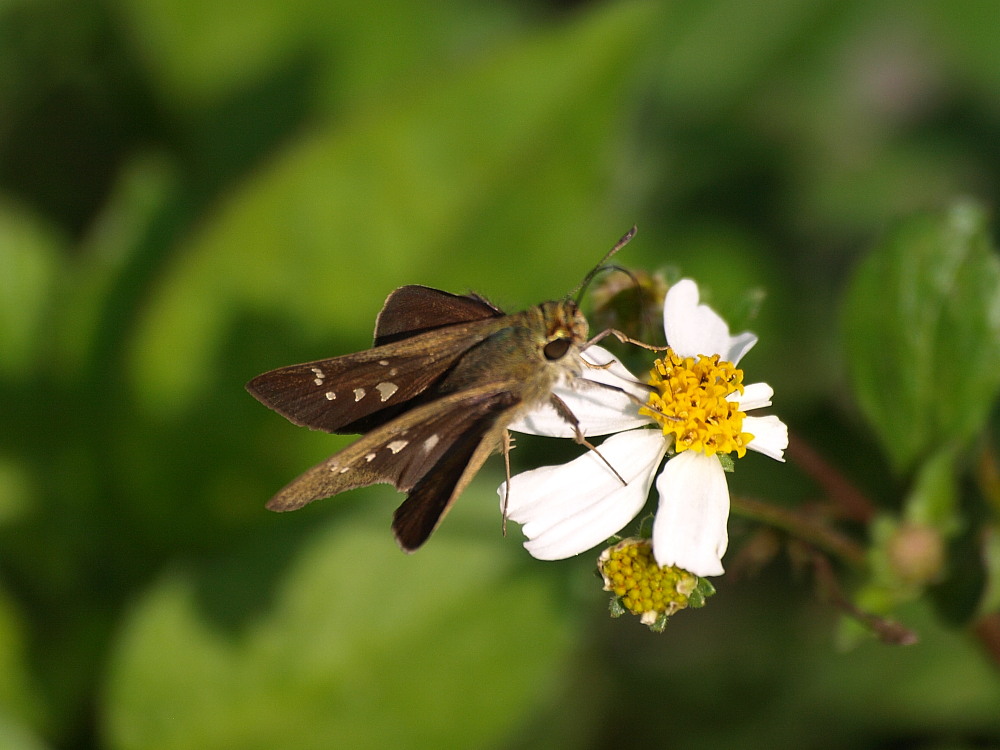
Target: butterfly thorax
534 350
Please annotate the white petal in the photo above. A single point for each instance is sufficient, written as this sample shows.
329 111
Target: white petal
600 410
567 509
754 396
598 355
739 345
770 436
694 329
690 527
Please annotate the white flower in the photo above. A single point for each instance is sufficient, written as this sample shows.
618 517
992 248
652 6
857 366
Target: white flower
698 403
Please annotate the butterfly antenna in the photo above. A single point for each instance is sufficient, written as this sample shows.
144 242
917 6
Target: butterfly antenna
582 286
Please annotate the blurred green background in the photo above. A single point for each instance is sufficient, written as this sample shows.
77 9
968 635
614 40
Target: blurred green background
192 193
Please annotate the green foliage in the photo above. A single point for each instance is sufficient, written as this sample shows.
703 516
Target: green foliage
922 327
358 645
192 193
403 182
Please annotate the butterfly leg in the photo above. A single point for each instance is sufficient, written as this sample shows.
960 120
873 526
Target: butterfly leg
507 445
567 414
625 339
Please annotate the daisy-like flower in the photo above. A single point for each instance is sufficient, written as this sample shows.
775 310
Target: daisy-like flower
696 401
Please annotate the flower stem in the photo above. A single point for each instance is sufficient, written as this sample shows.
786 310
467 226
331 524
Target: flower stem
886 630
987 473
852 502
805 527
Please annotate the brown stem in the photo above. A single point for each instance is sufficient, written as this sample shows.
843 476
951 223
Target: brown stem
802 527
988 474
987 630
853 503
888 631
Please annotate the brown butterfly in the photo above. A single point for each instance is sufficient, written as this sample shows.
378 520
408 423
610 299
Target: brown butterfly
432 398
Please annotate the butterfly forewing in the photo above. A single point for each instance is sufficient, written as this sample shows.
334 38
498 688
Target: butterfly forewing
414 309
339 394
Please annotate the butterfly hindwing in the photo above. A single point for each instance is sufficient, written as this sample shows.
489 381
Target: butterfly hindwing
422 453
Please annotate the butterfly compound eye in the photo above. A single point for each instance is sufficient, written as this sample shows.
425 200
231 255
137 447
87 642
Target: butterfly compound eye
556 349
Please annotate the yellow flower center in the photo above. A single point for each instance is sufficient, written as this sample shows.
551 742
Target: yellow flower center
690 402
644 588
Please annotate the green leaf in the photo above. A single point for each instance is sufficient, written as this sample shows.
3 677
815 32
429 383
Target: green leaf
30 268
933 498
991 562
717 53
200 53
20 701
97 306
15 736
922 333
363 647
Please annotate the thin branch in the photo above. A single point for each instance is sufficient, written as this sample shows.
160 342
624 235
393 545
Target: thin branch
987 473
851 501
804 527
886 630
987 630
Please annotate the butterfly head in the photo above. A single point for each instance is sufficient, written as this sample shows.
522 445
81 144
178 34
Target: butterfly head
565 329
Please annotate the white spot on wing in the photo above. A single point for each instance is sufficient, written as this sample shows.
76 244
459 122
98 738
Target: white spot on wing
320 375
385 390
359 393
369 457
330 395
397 445
383 362
430 442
